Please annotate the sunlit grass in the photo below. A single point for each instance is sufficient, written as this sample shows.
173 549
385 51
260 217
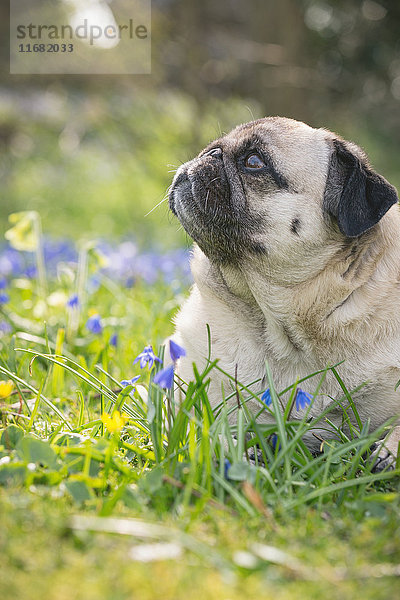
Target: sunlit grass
95 473
84 424
67 374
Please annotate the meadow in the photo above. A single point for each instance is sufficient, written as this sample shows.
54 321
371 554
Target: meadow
112 486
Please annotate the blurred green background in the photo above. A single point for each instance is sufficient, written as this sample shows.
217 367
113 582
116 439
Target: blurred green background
95 154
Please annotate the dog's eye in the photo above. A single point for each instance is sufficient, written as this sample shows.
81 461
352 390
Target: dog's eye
253 161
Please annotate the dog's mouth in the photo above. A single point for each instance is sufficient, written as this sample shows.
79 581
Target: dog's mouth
212 209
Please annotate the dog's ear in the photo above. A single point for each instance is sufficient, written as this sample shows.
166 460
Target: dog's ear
354 194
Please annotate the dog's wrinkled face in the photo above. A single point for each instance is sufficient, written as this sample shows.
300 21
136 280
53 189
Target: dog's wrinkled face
277 188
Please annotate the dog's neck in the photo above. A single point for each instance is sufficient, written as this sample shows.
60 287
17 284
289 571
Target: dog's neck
356 278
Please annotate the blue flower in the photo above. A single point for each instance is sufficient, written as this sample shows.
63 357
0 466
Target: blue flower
5 327
4 298
3 283
11 262
56 252
176 351
126 264
165 377
302 399
73 301
31 272
93 324
274 440
126 382
147 356
227 466
266 398
93 284
114 340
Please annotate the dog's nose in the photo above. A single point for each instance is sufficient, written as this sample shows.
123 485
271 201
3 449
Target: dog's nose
217 152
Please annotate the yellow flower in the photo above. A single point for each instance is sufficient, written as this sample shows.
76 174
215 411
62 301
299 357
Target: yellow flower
99 259
115 422
24 234
6 387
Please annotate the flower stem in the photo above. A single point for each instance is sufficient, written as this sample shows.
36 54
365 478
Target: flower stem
40 263
81 277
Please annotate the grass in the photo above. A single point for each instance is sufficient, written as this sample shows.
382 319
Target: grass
45 555
86 492
96 477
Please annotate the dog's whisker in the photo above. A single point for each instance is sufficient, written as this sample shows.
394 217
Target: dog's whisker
164 199
250 113
215 179
156 206
206 200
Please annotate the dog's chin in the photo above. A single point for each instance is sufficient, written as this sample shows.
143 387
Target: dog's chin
223 240
203 203
198 226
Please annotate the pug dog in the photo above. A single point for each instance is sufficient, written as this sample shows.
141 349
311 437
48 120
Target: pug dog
296 263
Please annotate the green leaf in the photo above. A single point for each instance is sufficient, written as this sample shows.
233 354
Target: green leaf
13 474
48 478
37 451
242 471
11 436
152 482
78 490
68 439
131 499
76 464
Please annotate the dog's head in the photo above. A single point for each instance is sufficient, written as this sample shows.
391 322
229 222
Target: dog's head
279 188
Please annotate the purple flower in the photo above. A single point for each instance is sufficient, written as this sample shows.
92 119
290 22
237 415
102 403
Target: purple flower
31 271
73 301
165 377
93 284
266 398
3 283
126 382
93 324
274 441
147 356
5 327
175 350
227 466
114 340
57 251
11 262
302 399
4 298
